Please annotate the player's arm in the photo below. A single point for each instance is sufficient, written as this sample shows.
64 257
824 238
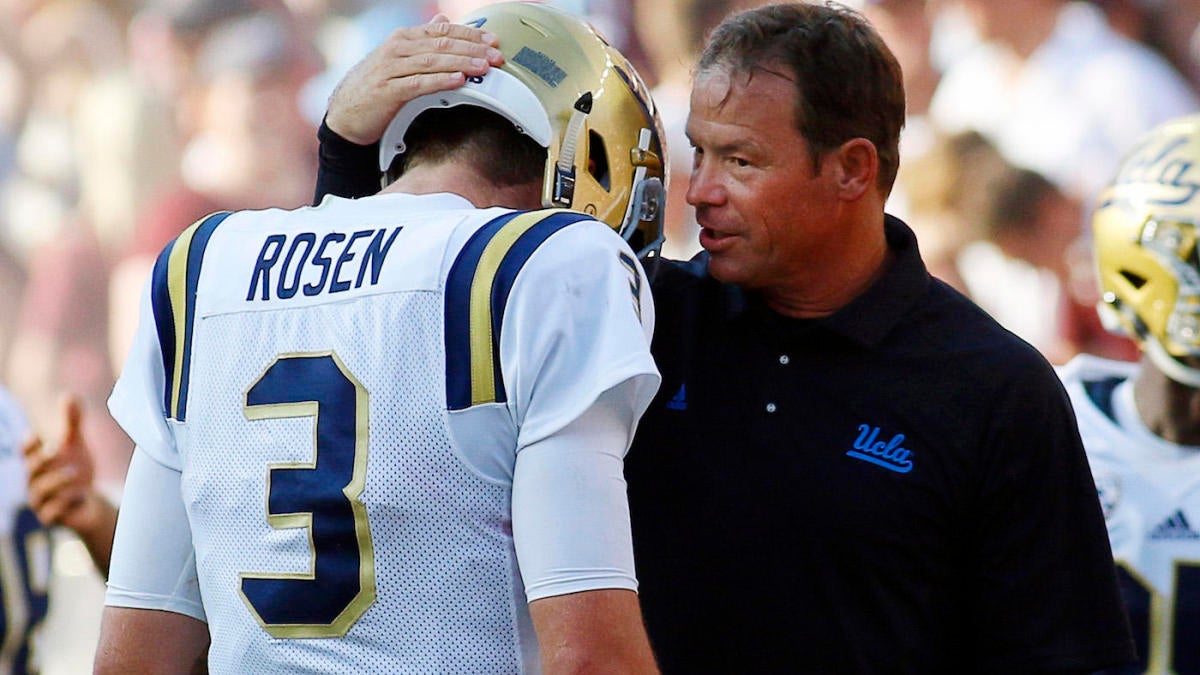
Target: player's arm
150 641
571 527
61 489
577 373
411 62
153 621
592 632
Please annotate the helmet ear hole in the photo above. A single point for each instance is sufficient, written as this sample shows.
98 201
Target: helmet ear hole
597 164
1133 279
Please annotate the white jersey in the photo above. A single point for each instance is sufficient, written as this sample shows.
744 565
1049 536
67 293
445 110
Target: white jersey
24 550
347 389
1150 492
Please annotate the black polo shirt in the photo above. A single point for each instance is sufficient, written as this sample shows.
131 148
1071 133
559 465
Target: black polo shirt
899 487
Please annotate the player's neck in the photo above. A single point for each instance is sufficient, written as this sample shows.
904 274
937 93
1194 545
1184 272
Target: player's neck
464 180
1169 409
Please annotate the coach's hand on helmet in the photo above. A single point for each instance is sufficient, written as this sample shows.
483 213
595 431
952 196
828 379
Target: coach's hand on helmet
412 62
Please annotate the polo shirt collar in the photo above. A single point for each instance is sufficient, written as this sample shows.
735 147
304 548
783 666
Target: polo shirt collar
869 317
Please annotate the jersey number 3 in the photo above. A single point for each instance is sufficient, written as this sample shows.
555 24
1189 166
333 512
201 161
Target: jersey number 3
321 496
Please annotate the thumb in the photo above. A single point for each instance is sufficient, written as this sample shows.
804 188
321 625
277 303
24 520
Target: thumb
72 411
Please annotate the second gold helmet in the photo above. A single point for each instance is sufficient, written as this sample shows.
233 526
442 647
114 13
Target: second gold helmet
1145 229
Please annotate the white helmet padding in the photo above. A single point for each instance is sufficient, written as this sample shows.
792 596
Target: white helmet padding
496 91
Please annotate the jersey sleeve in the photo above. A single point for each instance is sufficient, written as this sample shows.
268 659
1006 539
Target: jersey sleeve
579 375
153 563
570 513
136 402
578 322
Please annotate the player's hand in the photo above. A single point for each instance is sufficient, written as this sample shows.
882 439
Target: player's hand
60 478
412 62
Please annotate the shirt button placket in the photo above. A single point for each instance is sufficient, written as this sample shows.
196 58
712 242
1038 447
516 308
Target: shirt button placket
771 406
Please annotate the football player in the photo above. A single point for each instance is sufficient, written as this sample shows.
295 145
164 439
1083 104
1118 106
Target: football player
387 435
1141 422
24 550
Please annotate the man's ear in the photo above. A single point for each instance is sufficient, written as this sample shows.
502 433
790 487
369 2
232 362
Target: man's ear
857 166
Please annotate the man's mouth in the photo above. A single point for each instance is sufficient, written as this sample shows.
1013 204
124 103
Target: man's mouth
713 241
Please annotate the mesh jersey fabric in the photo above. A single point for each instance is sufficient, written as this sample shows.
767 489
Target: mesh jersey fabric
346 407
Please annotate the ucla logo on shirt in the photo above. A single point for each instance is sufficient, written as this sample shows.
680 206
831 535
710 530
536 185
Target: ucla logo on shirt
890 454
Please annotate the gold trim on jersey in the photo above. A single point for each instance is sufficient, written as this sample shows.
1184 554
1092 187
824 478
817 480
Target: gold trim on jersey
483 381
353 491
177 273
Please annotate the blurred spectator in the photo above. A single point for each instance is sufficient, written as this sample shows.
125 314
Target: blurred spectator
673 31
907 27
166 38
250 146
253 148
1057 89
12 286
1011 240
1033 222
946 188
1171 28
1175 29
343 41
120 149
13 103
60 341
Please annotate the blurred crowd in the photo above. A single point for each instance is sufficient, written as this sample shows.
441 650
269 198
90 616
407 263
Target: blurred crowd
123 122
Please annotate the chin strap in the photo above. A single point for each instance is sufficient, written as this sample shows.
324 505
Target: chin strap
1170 366
1110 311
564 169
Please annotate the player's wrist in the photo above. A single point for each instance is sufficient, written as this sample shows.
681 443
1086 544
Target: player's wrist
344 137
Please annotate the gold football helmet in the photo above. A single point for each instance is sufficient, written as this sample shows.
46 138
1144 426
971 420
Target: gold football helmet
1145 228
565 87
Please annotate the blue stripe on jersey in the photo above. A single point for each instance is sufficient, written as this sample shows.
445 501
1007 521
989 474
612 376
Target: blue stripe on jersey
465 385
195 258
514 260
173 287
160 303
458 313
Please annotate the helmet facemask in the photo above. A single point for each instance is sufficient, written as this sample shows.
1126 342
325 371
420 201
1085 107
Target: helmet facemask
1146 230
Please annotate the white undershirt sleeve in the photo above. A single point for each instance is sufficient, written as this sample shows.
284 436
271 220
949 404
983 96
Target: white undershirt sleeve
569 506
153 563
